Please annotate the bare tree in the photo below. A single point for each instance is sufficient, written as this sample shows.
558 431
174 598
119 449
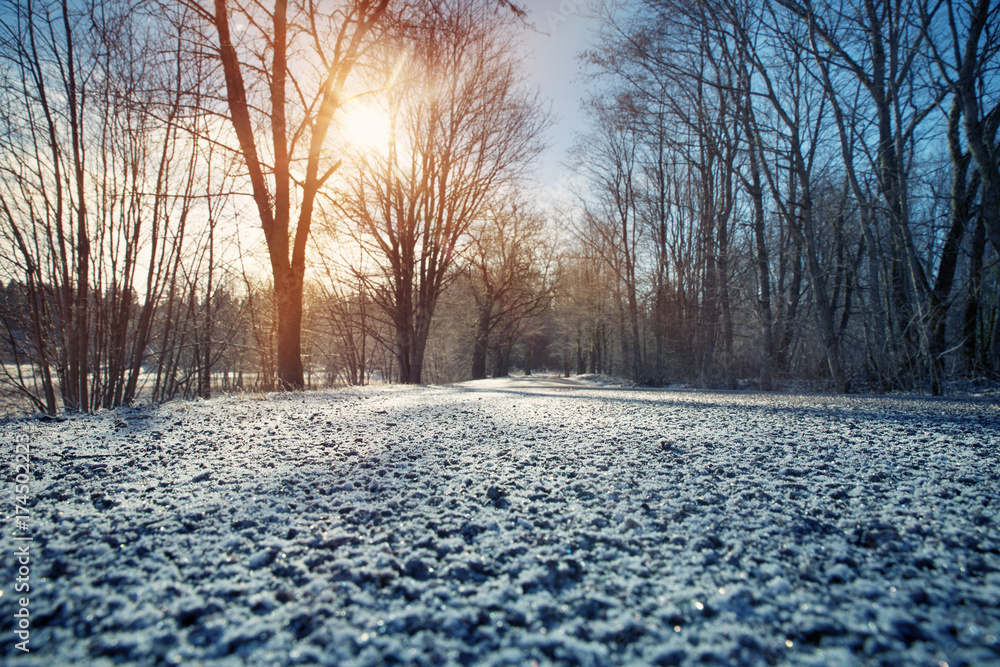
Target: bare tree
509 264
95 188
966 55
463 126
286 65
46 173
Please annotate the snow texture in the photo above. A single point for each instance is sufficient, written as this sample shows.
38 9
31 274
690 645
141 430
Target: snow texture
513 522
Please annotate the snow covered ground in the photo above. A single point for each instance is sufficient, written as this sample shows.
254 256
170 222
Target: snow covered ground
522 521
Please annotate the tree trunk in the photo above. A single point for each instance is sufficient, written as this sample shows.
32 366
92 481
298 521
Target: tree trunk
81 339
501 360
725 306
962 194
205 389
973 308
420 346
633 315
980 134
824 311
764 282
580 369
481 346
41 350
288 294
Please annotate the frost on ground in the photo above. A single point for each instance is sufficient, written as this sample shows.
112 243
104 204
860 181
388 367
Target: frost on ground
506 522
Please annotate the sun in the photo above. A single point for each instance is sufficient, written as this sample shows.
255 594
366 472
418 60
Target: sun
366 127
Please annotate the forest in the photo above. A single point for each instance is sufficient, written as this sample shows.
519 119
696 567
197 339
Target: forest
201 197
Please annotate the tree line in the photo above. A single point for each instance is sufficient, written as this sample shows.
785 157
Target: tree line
770 191
782 189
148 145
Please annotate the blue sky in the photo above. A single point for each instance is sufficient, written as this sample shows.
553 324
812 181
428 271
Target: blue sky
562 30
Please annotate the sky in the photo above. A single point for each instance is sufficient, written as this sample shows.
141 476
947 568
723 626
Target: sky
563 28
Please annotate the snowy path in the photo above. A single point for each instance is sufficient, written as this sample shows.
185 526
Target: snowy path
505 522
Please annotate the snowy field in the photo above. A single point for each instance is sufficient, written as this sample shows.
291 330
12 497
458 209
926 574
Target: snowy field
515 522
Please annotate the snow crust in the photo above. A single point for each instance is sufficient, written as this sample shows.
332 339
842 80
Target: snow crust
513 522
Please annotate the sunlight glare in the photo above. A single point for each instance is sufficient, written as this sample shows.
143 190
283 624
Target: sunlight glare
366 127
